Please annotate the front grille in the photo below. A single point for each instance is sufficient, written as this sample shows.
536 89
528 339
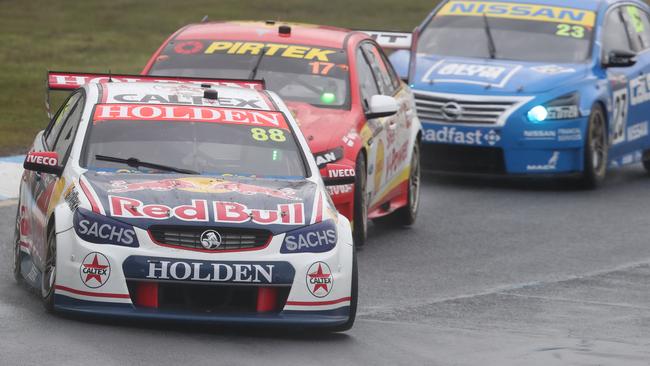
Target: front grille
463 159
470 109
190 237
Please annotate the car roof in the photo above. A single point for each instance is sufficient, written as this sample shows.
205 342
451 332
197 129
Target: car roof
158 93
305 34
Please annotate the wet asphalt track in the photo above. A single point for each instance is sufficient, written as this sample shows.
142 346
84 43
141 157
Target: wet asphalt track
494 273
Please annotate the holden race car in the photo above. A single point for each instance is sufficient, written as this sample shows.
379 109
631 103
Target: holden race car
530 87
358 116
158 198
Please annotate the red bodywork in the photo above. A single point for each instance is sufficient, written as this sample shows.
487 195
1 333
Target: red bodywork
315 123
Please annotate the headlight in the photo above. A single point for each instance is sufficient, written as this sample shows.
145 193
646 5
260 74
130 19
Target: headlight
100 229
317 238
565 107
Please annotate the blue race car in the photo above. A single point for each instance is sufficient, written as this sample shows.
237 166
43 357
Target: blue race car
532 87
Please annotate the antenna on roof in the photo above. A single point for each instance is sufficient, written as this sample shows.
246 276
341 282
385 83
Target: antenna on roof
204 19
110 76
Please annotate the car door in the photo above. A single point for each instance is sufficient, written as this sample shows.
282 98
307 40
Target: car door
397 126
368 87
637 21
627 110
58 137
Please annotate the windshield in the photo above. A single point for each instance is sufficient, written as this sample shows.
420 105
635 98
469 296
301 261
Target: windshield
208 140
522 32
317 76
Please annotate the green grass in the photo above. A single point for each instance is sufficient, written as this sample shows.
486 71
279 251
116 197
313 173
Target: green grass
120 35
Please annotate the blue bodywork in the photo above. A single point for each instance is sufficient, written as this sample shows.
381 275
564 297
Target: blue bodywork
515 145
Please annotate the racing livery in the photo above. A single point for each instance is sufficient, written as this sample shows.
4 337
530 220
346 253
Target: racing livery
358 116
532 87
183 200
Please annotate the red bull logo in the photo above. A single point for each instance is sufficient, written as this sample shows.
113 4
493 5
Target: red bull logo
201 185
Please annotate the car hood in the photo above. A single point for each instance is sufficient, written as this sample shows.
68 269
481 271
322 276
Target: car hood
324 128
486 76
142 200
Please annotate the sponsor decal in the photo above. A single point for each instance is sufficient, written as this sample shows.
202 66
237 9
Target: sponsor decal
198 211
540 135
552 69
341 173
172 269
451 135
202 185
255 48
640 90
391 39
340 189
565 112
210 239
521 11
637 131
42 158
318 238
319 279
561 135
71 81
100 229
549 166
378 168
190 100
330 156
397 158
569 134
95 270
494 75
71 197
175 113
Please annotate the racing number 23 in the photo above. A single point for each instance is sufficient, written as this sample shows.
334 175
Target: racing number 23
567 30
619 113
274 134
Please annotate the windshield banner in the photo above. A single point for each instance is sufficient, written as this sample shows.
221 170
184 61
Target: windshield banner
182 113
72 80
543 13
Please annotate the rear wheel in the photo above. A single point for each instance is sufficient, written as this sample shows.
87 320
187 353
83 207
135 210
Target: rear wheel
360 219
48 280
406 216
596 154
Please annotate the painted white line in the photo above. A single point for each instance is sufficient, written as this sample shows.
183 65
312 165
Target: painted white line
8 203
11 171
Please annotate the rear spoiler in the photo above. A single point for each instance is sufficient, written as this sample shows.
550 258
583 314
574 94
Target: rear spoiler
60 80
391 40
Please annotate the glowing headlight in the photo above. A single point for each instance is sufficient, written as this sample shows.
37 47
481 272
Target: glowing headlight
565 107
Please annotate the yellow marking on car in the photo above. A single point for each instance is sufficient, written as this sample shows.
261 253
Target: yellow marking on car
543 13
271 49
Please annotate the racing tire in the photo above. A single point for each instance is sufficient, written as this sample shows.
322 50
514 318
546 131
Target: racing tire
360 220
354 294
406 216
646 161
17 256
48 279
596 150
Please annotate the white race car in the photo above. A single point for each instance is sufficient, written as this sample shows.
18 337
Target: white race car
184 201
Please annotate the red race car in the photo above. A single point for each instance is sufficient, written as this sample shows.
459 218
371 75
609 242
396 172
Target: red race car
358 116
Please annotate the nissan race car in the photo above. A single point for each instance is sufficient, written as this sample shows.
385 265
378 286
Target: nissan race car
181 201
358 116
531 87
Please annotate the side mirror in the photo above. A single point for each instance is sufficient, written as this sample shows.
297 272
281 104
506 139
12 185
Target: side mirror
620 59
43 162
382 106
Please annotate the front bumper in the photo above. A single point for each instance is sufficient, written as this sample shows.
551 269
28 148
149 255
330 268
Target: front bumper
519 148
120 291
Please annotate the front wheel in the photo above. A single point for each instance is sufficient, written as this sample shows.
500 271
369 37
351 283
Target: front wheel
48 280
646 160
596 150
360 219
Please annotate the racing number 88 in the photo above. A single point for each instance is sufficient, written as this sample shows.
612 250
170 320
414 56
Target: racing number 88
260 134
566 30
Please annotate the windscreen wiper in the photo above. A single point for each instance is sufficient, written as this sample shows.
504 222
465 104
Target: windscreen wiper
257 64
492 48
135 162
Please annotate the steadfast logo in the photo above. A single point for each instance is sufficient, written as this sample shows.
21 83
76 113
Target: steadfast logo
450 135
521 11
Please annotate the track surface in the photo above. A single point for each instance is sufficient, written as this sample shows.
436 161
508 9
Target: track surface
494 273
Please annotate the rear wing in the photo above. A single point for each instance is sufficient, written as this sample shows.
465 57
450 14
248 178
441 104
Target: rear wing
60 80
391 40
